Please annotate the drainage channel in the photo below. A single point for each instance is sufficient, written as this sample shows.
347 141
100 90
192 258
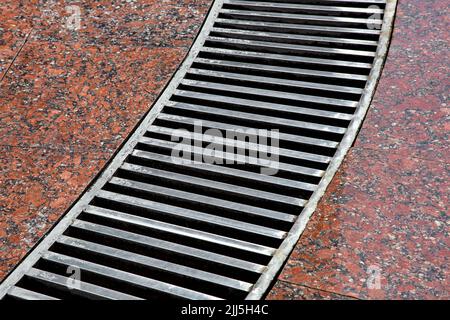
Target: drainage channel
152 226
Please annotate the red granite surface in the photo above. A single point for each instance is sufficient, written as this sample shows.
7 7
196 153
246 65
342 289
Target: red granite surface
387 209
68 98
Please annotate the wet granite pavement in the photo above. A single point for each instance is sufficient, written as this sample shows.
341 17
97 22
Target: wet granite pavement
382 229
68 98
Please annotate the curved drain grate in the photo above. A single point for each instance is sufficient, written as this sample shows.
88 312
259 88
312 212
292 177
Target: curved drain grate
152 228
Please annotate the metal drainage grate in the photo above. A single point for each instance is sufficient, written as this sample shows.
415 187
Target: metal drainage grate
151 228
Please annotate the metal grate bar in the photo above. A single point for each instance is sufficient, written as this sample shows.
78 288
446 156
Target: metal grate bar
24 294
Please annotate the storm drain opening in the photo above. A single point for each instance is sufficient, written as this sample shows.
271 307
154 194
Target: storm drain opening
207 193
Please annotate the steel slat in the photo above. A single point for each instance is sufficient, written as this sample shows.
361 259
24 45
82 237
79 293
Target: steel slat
179 230
131 278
